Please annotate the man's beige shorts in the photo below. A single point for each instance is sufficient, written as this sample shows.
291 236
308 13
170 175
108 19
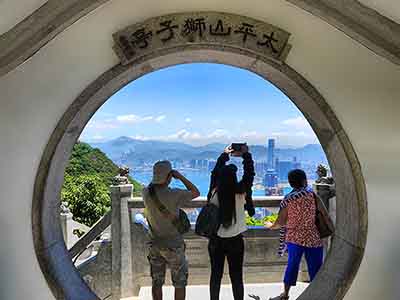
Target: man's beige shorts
159 258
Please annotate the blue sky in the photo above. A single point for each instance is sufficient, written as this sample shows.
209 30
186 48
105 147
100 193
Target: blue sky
199 104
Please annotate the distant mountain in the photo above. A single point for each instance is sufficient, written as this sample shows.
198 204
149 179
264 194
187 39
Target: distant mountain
310 153
125 145
125 150
132 152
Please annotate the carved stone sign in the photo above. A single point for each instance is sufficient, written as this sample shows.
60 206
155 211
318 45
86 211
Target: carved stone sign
201 29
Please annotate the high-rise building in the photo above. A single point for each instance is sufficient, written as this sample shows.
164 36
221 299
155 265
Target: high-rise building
260 167
296 164
192 164
270 154
283 168
271 178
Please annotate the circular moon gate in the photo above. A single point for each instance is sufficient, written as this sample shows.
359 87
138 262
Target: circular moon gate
347 248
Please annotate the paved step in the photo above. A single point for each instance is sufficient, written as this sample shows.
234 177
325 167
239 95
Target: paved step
200 292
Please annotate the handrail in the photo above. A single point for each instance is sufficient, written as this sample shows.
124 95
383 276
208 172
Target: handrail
137 203
265 201
91 235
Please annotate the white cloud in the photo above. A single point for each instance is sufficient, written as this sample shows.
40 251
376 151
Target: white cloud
95 127
285 138
95 138
102 124
186 136
183 135
133 119
296 131
295 138
160 118
218 133
140 137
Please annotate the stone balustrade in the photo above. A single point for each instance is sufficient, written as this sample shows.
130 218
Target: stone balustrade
124 258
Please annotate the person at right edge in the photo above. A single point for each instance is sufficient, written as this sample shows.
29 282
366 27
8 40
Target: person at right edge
232 197
299 233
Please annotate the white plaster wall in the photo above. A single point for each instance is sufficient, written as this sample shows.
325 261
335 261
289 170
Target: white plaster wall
14 11
388 8
362 88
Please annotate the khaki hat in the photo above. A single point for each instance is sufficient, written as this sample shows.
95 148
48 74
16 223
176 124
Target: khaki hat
161 170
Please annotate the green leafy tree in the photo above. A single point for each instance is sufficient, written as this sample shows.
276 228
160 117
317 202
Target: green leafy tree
88 197
87 179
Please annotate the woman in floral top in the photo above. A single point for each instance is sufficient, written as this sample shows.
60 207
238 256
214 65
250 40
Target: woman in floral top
300 234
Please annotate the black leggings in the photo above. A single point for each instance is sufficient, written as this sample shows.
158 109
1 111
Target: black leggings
233 249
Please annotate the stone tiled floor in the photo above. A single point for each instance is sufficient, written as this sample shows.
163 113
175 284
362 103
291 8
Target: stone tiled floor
264 291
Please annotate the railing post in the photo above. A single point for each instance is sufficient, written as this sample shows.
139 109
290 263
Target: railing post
65 216
139 251
122 279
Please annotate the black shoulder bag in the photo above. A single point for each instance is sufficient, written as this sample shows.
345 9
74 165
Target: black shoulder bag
207 223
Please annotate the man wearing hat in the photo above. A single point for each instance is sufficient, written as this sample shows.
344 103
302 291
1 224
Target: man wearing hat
167 247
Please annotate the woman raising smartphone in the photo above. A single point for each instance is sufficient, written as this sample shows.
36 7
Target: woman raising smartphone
232 197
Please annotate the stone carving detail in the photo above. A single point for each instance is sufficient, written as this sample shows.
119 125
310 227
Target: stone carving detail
201 29
323 178
325 185
122 177
64 209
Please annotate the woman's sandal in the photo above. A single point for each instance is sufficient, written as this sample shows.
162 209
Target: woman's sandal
280 297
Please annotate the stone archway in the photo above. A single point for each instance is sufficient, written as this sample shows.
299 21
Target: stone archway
348 244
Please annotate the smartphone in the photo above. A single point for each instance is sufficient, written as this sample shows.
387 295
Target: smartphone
237 146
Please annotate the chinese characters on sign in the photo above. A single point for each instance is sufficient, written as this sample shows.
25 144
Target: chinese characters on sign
193 26
209 28
246 30
219 29
166 26
269 42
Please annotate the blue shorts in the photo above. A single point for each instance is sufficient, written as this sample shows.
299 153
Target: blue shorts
314 258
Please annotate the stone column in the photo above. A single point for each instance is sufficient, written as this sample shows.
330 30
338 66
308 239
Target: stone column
122 279
140 265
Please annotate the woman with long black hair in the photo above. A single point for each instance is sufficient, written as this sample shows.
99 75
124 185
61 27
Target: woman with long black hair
232 197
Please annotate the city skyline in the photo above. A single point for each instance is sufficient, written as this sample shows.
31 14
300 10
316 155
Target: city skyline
192 104
197 162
